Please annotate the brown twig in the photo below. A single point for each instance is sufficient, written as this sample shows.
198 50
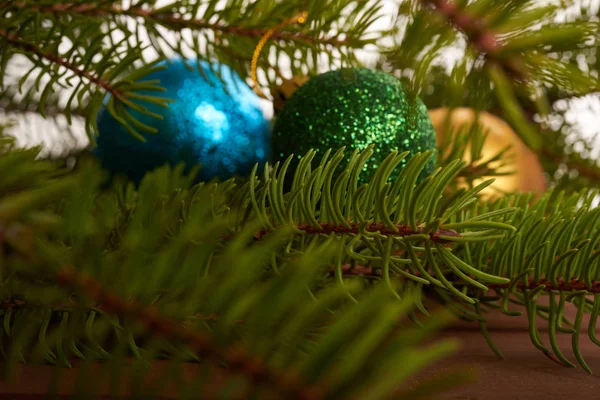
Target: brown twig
237 359
479 35
177 21
563 286
354 228
484 40
15 41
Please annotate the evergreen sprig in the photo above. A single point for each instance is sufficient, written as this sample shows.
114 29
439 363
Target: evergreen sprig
296 290
378 217
96 48
96 278
455 246
514 62
88 67
231 261
553 253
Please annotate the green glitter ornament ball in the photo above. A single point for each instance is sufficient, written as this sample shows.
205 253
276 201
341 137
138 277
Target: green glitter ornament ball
354 107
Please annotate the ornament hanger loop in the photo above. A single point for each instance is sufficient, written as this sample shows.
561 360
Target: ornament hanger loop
300 19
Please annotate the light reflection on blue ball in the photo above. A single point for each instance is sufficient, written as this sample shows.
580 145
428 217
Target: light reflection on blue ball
222 128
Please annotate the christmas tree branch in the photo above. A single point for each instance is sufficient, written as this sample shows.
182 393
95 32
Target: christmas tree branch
480 36
398 230
376 228
96 76
225 282
500 66
171 20
573 285
41 30
53 58
238 360
514 246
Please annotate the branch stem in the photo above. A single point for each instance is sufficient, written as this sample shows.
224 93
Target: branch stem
237 359
401 230
564 286
479 35
178 22
17 42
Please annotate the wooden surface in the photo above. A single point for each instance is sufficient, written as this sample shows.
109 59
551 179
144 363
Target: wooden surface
525 373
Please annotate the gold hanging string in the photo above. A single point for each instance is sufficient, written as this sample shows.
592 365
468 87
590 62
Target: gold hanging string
300 18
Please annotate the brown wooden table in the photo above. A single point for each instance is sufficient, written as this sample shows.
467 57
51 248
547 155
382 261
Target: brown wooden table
525 373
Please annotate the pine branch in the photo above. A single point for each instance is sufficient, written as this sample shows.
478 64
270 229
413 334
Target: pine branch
23 107
238 360
511 55
411 216
153 15
353 228
127 242
53 58
499 65
574 285
480 36
39 30
551 246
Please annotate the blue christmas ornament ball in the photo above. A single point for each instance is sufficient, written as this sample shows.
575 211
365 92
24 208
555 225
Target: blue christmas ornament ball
220 126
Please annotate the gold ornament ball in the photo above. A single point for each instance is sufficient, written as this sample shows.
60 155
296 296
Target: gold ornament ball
528 176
